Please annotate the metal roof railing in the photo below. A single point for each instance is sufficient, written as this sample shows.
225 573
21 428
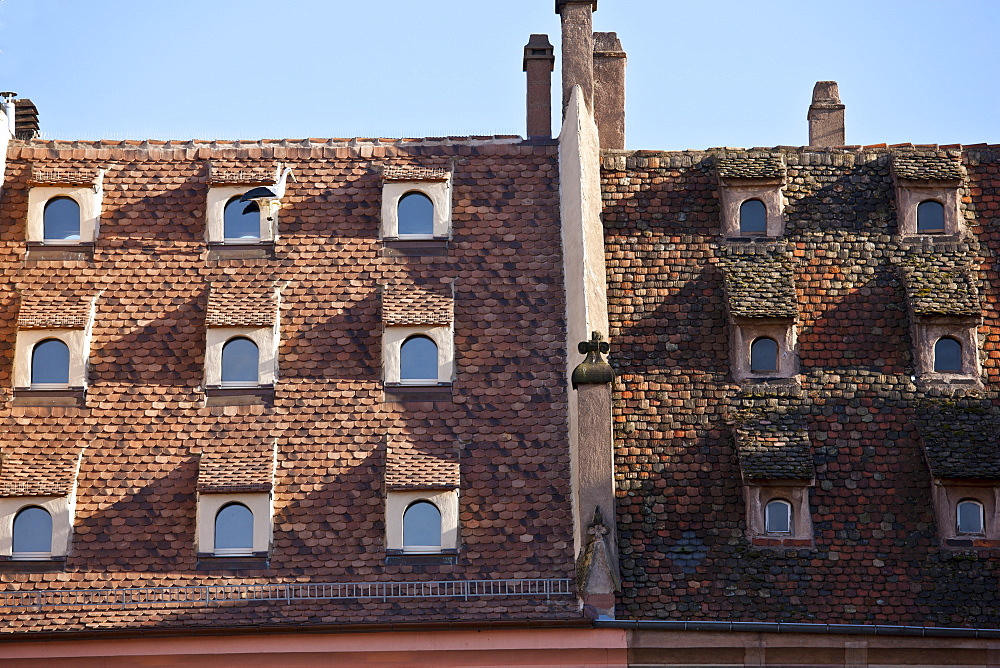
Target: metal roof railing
206 595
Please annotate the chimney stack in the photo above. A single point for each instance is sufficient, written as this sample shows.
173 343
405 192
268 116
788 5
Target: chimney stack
826 116
577 48
609 89
539 61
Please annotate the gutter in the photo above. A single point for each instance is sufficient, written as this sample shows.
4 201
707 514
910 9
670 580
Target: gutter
790 627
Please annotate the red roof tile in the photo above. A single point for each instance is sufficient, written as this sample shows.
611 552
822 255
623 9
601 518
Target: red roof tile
38 472
236 466
414 173
422 466
228 308
41 311
409 304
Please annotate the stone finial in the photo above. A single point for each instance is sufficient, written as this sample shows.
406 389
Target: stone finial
539 62
826 116
593 370
609 89
597 576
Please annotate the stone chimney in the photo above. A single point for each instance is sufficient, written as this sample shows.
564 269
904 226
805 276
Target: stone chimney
609 89
539 61
826 116
577 48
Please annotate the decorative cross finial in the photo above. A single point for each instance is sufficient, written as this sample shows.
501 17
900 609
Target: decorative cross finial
593 369
593 348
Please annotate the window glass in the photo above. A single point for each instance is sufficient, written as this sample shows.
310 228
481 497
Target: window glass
970 517
415 214
753 217
764 355
422 526
32 531
241 220
234 528
418 360
61 219
50 363
778 517
947 355
240 361
930 217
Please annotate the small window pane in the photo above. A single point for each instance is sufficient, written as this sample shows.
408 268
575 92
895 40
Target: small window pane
234 528
764 355
970 517
422 525
240 361
241 220
415 214
61 219
50 363
32 531
930 217
418 360
753 217
778 517
947 355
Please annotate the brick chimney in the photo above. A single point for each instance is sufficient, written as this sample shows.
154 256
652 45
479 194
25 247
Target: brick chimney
826 116
577 48
539 61
609 89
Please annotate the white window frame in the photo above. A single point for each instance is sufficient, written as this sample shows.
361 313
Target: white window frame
261 504
948 494
769 191
439 193
78 342
266 340
59 508
747 330
757 494
218 196
89 198
909 195
397 502
394 336
929 330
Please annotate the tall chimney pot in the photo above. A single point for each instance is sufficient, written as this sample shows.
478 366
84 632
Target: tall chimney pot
609 89
826 116
539 62
577 48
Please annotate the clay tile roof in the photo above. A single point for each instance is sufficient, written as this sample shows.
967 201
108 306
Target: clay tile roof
938 285
222 172
411 304
53 312
774 447
50 473
236 467
422 466
75 176
750 167
229 308
414 173
961 439
759 281
927 168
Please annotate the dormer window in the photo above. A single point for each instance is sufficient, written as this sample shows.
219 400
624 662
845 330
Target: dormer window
764 355
241 220
970 518
417 341
233 531
61 219
778 517
241 356
418 361
422 527
947 355
240 363
32 535
415 215
930 217
753 217
50 364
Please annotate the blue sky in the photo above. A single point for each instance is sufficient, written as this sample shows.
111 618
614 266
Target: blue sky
703 74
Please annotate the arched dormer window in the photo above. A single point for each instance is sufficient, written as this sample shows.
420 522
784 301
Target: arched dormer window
50 364
948 355
234 531
970 517
930 217
763 355
61 220
753 217
240 362
422 527
778 516
32 537
418 360
241 220
415 215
